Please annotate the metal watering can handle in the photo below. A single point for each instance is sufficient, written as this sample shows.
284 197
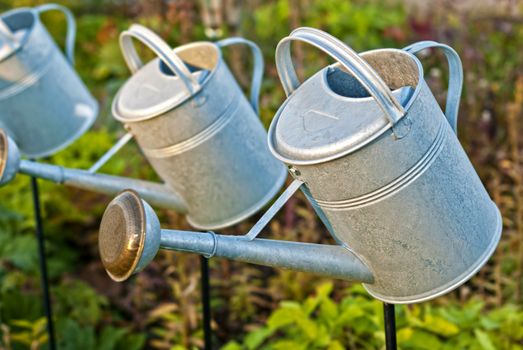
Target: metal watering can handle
71 27
347 57
160 48
257 73
455 77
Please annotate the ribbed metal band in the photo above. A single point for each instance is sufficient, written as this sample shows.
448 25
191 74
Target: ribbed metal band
225 117
214 247
404 180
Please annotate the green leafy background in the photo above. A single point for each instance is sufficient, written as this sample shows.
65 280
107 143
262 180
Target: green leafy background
258 307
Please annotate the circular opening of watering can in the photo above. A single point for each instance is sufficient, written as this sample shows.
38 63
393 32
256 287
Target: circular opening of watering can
155 89
331 115
122 235
20 22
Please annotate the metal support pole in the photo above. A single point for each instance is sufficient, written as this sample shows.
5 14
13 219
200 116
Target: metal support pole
43 263
206 302
390 326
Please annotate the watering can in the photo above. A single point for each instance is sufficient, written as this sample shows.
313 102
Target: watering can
190 119
45 106
371 149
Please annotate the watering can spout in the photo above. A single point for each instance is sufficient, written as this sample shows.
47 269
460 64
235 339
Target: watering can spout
130 237
9 158
11 164
321 259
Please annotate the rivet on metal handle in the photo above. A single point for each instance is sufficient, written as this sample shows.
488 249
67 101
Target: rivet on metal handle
257 73
71 27
347 57
160 48
455 77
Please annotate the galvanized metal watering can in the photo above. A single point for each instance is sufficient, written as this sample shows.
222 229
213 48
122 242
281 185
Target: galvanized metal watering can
44 104
383 169
196 128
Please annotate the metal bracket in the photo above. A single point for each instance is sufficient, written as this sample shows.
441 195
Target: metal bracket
214 245
275 207
111 152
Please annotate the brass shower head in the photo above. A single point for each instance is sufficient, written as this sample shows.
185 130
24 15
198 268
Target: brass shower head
129 235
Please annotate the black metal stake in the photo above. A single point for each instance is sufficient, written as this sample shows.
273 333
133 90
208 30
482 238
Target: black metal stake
43 263
390 326
206 302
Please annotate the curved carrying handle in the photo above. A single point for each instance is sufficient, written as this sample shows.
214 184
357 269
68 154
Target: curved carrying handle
455 77
160 48
347 57
71 27
257 73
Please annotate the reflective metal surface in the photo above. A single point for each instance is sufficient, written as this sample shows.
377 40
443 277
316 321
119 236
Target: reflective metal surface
197 129
404 197
9 158
45 105
130 232
386 174
11 164
128 238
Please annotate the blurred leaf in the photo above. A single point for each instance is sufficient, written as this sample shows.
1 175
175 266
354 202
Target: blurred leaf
484 340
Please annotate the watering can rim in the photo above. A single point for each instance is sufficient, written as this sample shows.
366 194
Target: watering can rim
139 239
25 39
341 151
456 282
4 151
165 107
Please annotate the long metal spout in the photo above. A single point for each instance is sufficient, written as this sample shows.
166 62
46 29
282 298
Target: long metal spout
327 260
155 193
10 164
130 237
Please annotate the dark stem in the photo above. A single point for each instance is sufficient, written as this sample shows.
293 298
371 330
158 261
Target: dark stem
390 326
43 263
206 302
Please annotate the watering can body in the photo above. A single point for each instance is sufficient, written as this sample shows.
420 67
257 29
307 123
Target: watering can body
45 105
197 129
396 189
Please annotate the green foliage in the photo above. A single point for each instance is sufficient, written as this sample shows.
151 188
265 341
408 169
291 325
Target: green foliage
362 24
30 334
160 309
74 336
319 323
79 302
17 305
356 321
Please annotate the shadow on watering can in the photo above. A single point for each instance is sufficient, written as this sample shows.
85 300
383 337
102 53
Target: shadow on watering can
383 170
190 119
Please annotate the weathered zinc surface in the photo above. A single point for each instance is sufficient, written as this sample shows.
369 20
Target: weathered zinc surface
390 180
385 173
193 124
45 105
197 129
